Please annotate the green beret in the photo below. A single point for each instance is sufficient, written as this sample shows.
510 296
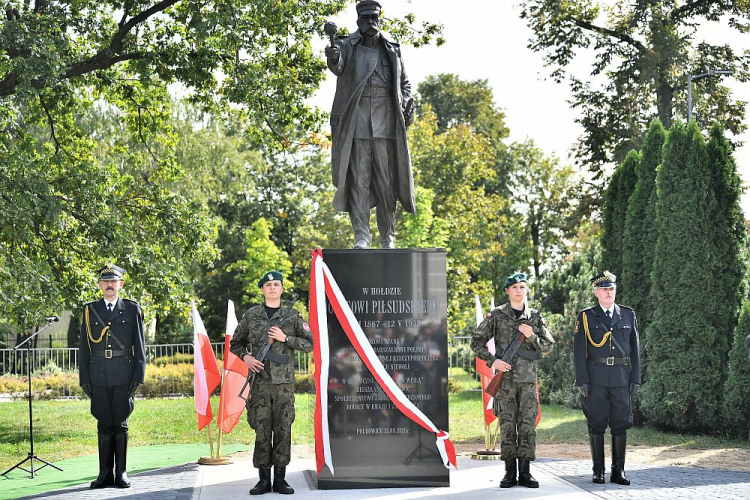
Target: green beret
270 276
514 278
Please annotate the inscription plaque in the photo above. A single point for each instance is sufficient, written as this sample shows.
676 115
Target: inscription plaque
399 299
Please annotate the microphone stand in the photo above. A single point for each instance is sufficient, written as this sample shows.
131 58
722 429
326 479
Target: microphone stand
31 455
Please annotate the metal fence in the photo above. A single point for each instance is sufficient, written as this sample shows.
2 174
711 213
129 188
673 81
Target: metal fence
54 372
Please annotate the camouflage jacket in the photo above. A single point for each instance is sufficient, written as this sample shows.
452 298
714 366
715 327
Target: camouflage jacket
252 331
500 325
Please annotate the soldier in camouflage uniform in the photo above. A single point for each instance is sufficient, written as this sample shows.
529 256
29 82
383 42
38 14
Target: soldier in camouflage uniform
270 411
517 400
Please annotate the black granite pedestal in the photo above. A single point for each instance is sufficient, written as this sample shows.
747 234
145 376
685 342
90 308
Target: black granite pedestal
399 299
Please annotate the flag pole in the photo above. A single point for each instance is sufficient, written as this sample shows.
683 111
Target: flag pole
489 452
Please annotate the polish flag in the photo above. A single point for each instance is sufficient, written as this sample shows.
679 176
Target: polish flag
231 405
485 372
207 374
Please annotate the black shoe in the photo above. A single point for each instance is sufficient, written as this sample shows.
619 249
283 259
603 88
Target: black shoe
524 475
279 483
510 474
618 460
264 484
596 442
106 462
121 460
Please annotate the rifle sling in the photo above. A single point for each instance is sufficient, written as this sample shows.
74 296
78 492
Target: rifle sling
277 358
528 354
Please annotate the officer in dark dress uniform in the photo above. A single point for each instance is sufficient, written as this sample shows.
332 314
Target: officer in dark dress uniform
608 372
111 364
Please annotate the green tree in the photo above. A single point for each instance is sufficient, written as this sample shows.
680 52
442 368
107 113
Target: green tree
639 239
544 195
569 287
729 237
686 353
737 383
459 102
74 197
451 165
422 230
261 255
620 189
644 51
71 202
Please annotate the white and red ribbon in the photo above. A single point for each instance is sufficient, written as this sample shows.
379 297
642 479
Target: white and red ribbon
322 285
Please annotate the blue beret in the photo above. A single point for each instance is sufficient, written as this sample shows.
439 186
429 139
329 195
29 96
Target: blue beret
514 278
270 276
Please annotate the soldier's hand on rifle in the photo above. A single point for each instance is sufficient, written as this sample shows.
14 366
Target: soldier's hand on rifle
501 365
275 333
526 330
584 390
252 363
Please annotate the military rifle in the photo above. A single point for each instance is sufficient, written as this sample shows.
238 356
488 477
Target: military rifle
265 352
494 386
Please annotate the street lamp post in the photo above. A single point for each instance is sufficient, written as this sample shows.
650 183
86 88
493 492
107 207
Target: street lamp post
713 72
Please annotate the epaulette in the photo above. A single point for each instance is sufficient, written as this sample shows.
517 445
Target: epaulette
586 309
626 307
137 306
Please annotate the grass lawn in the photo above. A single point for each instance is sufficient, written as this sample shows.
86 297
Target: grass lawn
164 433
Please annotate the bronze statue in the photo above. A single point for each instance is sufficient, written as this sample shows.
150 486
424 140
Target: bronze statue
371 111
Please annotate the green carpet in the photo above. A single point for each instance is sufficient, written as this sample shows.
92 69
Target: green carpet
83 470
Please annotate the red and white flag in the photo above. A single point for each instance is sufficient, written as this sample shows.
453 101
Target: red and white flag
322 285
207 376
231 405
485 372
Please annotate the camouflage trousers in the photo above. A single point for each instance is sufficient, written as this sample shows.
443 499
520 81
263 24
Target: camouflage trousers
270 413
517 406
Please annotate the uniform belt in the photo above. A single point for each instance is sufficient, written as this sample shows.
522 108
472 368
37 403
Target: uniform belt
110 353
528 354
610 361
371 91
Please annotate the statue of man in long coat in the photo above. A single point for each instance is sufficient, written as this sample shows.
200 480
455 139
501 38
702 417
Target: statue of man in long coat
372 108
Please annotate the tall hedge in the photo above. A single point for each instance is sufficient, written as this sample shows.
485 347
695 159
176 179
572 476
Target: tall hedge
737 385
639 239
683 388
729 239
621 187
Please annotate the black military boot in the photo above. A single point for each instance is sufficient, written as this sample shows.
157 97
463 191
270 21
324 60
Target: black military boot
510 474
596 442
618 460
121 460
106 462
279 483
524 474
264 484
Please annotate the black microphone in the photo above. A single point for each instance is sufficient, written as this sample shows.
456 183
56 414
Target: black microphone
52 319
